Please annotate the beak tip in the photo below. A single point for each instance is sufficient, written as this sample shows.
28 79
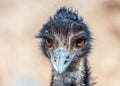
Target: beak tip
59 71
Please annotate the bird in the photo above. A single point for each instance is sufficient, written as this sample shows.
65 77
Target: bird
66 42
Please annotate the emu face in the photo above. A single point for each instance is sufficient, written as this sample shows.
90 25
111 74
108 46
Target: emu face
64 41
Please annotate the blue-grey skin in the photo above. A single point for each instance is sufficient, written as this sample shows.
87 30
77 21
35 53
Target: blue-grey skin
68 60
62 60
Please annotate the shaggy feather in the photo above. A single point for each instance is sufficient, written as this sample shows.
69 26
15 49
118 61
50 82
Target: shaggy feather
64 28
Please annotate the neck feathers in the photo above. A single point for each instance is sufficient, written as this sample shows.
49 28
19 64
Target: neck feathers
77 75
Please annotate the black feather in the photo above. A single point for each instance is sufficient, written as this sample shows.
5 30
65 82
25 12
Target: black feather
62 23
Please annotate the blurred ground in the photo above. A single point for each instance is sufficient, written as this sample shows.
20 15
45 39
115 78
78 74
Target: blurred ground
20 21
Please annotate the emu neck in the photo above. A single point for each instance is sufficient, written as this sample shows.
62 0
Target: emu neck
76 75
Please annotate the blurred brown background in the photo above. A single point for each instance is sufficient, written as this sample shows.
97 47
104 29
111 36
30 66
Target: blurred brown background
20 56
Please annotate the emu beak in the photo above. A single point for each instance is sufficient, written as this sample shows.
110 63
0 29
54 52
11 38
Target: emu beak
61 60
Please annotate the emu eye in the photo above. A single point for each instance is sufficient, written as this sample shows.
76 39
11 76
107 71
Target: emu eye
48 42
80 42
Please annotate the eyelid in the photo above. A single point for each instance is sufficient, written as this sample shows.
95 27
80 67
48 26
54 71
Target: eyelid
49 39
46 37
73 42
78 38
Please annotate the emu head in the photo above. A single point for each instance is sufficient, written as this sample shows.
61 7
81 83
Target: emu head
65 38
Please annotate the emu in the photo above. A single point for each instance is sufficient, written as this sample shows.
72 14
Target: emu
66 41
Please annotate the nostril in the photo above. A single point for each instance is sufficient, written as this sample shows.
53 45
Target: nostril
65 62
67 57
55 60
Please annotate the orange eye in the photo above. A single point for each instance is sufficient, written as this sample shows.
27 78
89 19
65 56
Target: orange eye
48 42
79 43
